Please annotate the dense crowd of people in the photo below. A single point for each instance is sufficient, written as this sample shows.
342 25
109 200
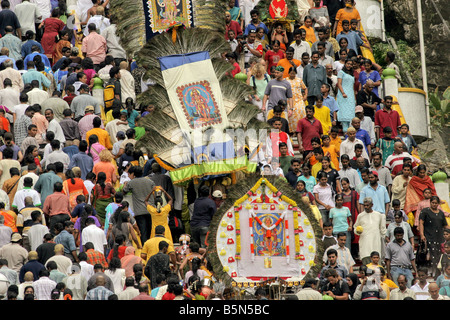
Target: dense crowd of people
85 215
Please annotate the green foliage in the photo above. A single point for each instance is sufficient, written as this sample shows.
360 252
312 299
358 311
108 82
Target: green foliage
439 108
408 61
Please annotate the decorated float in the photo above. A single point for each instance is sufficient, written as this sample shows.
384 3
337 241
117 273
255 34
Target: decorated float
264 233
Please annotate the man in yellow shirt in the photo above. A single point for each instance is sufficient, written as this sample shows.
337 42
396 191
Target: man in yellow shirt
151 246
103 136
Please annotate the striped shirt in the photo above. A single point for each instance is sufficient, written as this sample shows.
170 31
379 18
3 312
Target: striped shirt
99 293
43 288
394 162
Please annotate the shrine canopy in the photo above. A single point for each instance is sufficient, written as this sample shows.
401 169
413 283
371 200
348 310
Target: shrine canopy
265 234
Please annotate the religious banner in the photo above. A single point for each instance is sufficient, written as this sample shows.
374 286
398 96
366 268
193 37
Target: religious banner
194 91
160 15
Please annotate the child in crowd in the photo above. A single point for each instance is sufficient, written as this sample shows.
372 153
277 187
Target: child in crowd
306 176
395 208
385 145
330 151
328 238
374 261
446 239
322 113
315 143
406 138
334 137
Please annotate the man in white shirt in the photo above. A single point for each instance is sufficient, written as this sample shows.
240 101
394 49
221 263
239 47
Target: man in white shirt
28 14
10 73
300 46
348 172
421 287
44 7
366 124
94 234
36 95
348 145
32 174
126 82
323 58
19 110
27 191
9 97
37 230
112 41
99 20
54 126
57 155
116 125
87 270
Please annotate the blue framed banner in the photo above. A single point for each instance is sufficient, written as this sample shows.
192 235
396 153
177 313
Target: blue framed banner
194 91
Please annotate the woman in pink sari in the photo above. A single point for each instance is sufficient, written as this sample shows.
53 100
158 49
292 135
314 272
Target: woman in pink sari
129 260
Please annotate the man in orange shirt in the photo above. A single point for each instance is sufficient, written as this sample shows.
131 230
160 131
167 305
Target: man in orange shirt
289 62
103 136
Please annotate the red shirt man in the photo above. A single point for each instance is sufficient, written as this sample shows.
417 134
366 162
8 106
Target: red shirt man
307 128
231 25
387 117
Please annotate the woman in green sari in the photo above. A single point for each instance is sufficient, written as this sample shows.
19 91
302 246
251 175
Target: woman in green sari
102 195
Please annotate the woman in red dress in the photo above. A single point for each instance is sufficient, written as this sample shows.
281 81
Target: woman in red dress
275 55
52 26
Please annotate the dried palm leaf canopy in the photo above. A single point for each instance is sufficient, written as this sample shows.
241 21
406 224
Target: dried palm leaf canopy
198 107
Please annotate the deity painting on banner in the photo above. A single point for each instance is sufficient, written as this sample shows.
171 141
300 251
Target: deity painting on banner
167 13
199 105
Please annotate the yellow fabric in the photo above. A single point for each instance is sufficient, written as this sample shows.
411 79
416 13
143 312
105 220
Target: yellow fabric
317 167
323 115
333 154
103 137
336 142
160 219
310 34
298 111
316 212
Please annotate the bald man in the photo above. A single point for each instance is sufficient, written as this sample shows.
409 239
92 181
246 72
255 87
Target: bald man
433 289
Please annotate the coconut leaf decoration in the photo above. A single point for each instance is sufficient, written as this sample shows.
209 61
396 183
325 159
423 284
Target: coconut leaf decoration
234 194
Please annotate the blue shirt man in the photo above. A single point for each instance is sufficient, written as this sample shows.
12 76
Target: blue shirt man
35 53
26 47
378 193
353 39
83 161
255 23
